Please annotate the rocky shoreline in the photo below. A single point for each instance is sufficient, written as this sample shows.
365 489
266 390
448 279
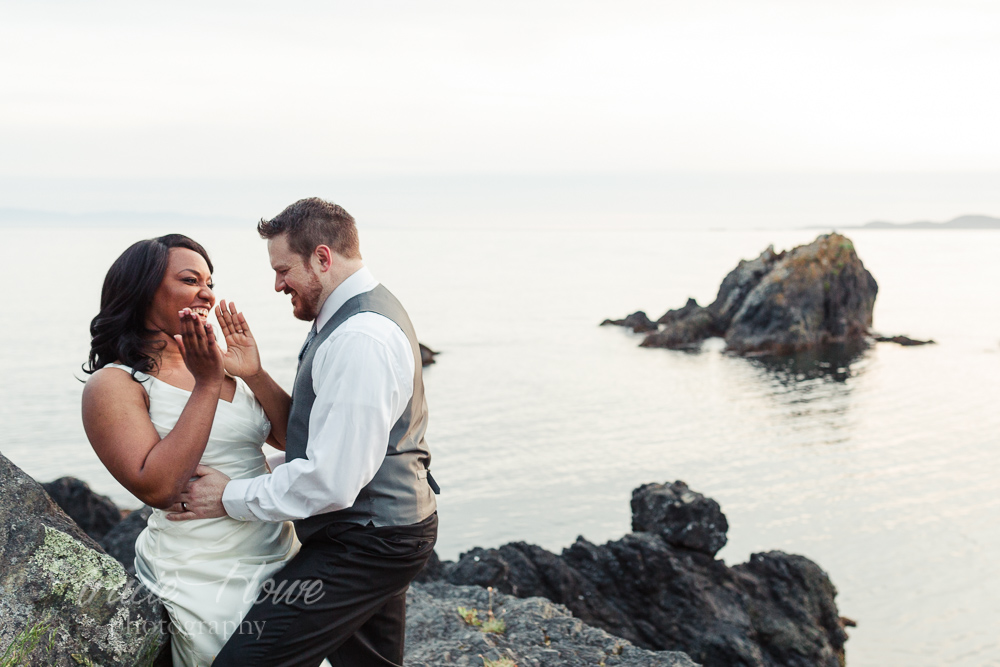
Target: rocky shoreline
63 600
536 633
662 588
657 597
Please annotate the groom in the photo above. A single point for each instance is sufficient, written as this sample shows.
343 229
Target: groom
356 478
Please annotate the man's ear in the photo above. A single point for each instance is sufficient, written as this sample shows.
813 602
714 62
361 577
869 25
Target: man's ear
324 256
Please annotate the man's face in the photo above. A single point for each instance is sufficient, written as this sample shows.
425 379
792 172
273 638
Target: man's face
294 276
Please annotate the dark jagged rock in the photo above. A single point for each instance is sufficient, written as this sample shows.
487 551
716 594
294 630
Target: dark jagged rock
773 611
685 332
740 282
64 602
119 543
688 327
638 322
781 303
427 355
678 314
538 633
682 517
434 569
94 513
791 601
57 585
526 570
678 599
905 341
815 295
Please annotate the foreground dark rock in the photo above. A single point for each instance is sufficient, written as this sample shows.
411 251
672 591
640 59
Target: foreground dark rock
682 517
538 633
659 588
63 601
119 543
662 589
780 303
95 513
47 563
790 600
434 569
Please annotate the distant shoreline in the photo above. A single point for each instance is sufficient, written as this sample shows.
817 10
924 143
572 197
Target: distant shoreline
17 217
961 222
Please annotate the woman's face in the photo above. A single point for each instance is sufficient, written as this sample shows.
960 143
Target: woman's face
186 284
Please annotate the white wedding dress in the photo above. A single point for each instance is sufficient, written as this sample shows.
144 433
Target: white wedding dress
208 571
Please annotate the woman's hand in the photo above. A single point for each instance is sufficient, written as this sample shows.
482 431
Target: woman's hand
242 357
200 350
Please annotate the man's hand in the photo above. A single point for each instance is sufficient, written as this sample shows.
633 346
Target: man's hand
202 497
242 358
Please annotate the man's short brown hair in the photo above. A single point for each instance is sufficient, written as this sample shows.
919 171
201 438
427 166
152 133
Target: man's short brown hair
314 222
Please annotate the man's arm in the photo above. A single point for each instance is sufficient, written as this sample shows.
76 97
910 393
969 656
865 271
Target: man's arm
363 379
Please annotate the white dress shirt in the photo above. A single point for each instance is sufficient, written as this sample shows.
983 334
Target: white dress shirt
363 379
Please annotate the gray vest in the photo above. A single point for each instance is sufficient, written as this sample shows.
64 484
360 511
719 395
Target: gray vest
401 492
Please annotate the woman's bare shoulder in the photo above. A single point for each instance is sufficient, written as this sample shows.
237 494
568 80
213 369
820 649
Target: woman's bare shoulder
112 384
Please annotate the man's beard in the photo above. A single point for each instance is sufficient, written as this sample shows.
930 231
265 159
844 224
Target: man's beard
309 299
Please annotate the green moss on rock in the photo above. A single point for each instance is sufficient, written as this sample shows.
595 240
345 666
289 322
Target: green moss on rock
74 568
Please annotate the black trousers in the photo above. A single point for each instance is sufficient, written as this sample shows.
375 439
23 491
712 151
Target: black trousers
342 597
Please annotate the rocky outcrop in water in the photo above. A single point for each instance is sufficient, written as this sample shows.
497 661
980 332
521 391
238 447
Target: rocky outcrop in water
662 588
781 303
638 322
905 341
427 355
63 601
537 633
95 513
816 294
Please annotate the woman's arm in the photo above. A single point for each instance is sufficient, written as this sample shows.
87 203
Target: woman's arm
243 360
116 419
276 403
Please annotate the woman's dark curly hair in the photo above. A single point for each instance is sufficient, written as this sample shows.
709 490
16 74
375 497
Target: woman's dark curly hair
119 332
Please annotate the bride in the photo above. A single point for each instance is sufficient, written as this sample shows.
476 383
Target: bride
164 399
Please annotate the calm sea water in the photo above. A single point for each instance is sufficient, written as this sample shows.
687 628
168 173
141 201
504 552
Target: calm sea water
884 472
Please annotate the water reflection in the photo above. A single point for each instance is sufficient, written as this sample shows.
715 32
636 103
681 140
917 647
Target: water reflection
811 392
829 363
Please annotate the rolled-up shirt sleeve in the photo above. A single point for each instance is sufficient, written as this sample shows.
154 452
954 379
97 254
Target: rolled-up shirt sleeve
362 383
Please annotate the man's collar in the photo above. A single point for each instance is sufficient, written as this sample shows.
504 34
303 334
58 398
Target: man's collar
359 282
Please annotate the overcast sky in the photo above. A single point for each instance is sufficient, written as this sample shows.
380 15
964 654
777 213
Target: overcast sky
252 92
